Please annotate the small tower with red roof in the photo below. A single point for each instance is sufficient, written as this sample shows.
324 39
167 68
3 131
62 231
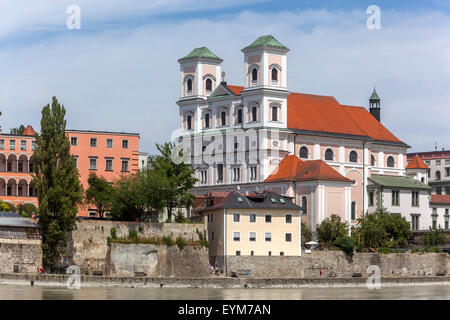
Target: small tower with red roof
418 169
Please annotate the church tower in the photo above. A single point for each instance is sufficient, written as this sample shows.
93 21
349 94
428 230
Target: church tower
374 105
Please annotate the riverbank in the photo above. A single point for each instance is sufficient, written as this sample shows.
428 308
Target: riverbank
212 282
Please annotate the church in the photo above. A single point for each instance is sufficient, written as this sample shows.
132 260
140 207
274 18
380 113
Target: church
262 136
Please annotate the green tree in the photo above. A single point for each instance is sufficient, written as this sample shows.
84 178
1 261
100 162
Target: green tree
99 194
434 238
27 210
137 197
56 180
18 131
178 175
331 228
306 234
346 243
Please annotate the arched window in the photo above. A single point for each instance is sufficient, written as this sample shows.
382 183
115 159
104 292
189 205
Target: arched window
254 114
303 152
372 160
353 215
239 116
189 122
329 155
223 118
390 162
208 84
274 74
274 113
353 156
207 120
254 75
438 175
189 85
304 205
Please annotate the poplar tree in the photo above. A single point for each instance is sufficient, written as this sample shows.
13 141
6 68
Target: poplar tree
56 180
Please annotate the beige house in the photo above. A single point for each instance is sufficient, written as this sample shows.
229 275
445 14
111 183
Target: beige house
259 224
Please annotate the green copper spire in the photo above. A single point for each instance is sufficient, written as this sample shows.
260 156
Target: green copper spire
202 52
266 41
374 96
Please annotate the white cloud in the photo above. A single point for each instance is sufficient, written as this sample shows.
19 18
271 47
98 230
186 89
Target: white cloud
127 79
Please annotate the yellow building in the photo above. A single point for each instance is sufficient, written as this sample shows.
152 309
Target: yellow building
259 224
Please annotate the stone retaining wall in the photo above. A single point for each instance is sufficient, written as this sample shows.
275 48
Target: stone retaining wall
26 256
310 265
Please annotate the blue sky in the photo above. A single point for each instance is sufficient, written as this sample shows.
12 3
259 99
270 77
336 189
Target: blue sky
119 72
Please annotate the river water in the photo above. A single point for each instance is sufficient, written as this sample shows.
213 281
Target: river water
13 292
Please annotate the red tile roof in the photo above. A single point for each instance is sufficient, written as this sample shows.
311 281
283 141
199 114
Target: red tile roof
440 199
416 163
236 89
29 131
292 168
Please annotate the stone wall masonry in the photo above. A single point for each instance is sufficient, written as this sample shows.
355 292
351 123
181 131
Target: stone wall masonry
27 256
88 249
310 265
157 260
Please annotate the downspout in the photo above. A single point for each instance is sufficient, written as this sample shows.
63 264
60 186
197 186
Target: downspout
364 176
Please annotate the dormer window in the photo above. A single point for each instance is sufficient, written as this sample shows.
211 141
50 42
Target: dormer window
208 85
189 86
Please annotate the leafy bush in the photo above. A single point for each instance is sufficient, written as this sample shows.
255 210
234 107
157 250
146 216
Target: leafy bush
434 238
346 243
306 233
3 207
113 233
202 238
168 241
27 210
180 242
133 235
179 217
108 240
11 207
331 228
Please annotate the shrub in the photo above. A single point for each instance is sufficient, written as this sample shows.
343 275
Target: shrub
180 242
168 241
306 233
346 243
11 207
202 238
108 240
113 233
133 235
27 210
179 217
331 228
3 207
434 238
140 229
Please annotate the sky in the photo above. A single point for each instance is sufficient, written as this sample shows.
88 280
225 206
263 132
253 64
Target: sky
119 71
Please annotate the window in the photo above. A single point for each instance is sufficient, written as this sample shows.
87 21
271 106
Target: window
446 218
371 198
236 174
236 236
207 120
390 162
109 164
109 143
92 163
288 218
125 144
395 197
219 173
252 217
189 122
223 118
274 113
236 217
353 211
189 86
438 162
353 157
438 175
33 145
439 190
12 144
268 236
447 161
212 235
93 142
204 176
208 85
281 253
92 213
73 141
447 172
252 253
23 145
415 199
252 236
304 205
329 155
254 113
372 160
427 162
2 144
238 253
253 173
288 237
125 165
75 160
415 222
268 218
239 116
303 152
254 76
274 75
212 217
